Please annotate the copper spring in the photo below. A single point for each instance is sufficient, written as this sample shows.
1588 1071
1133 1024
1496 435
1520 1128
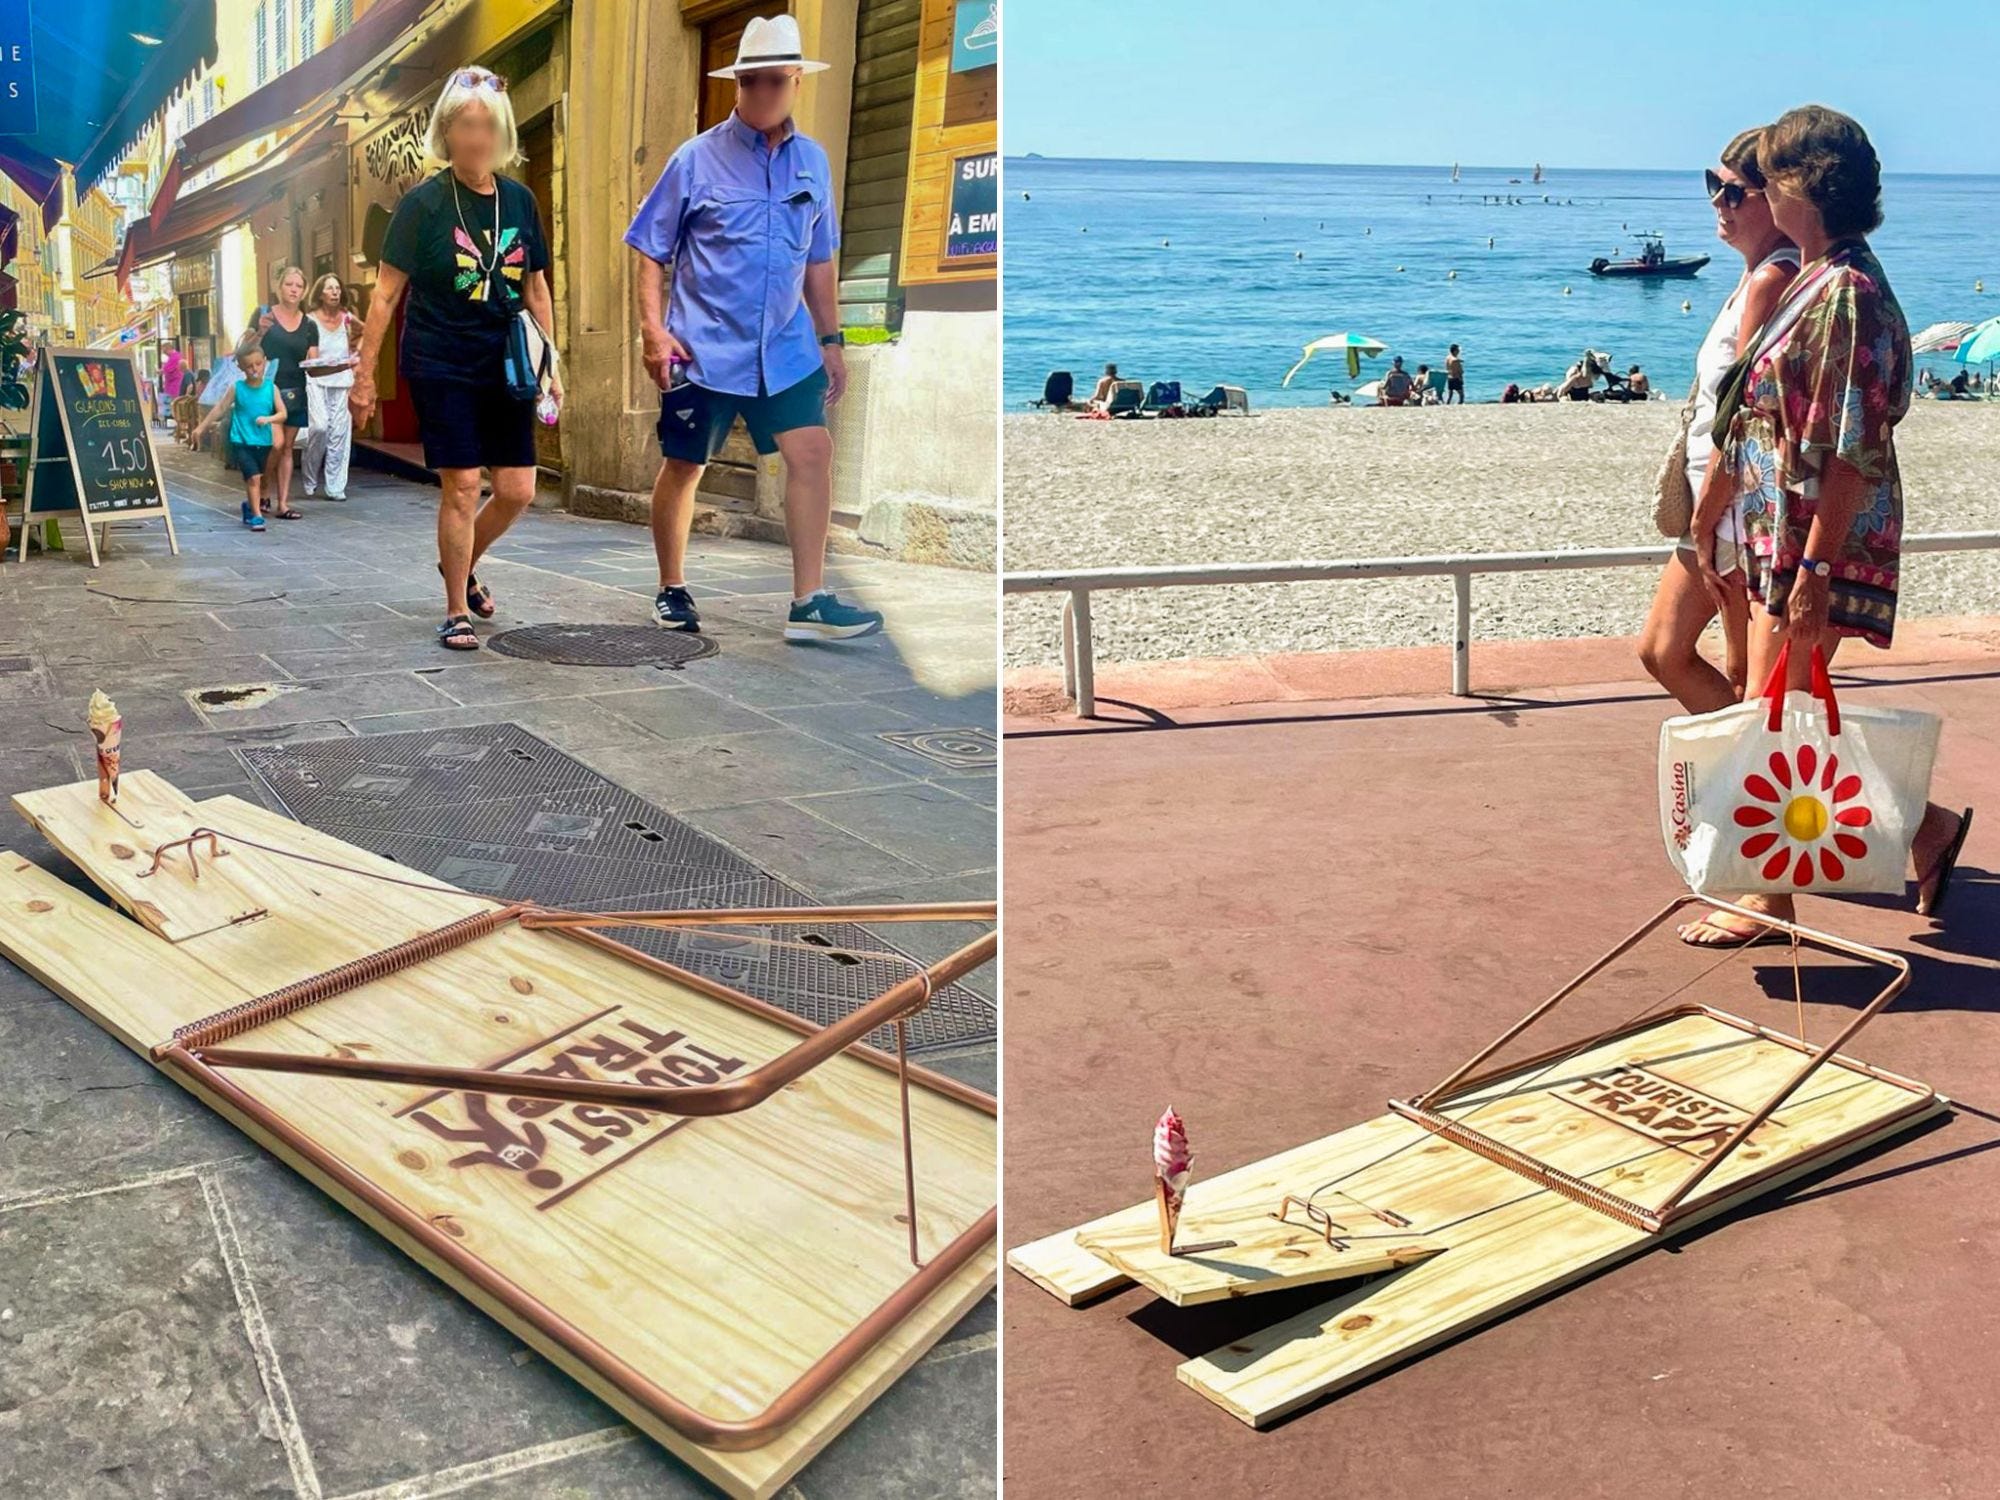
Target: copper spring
1553 1178
296 996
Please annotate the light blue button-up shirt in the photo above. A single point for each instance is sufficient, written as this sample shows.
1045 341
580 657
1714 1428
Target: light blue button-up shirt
739 223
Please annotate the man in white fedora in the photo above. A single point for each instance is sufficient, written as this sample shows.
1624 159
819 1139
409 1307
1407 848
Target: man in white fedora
744 214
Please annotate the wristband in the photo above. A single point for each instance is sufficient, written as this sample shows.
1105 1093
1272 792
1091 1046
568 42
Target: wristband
835 339
1817 569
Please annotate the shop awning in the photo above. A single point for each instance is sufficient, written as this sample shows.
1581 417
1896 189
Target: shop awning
202 215
373 39
104 70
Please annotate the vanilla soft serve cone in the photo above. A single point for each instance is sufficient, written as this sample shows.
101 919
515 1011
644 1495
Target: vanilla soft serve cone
107 727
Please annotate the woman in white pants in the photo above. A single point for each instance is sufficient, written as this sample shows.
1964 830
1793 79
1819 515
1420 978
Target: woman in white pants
330 435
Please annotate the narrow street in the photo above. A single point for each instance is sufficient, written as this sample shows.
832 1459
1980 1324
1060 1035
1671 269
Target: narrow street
224 1329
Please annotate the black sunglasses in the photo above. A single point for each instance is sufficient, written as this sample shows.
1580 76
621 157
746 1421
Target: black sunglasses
1732 194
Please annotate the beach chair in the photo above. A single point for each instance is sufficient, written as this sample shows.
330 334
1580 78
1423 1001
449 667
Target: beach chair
1161 396
1437 384
1057 391
1223 399
1128 398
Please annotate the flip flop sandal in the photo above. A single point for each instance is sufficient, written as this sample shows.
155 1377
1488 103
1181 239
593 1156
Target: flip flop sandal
289 515
1762 937
477 595
1946 863
456 634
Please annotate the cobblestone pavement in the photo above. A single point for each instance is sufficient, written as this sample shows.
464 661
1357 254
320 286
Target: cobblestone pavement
180 1316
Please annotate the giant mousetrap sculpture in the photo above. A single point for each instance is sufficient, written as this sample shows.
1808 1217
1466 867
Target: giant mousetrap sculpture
733 1226
1493 1189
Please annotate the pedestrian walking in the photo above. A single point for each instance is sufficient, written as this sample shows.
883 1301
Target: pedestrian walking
466 246
744 213
330 425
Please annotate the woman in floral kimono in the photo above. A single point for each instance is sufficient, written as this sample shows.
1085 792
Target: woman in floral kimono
1814 447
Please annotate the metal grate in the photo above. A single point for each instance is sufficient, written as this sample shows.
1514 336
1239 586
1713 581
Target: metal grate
494 809
604 645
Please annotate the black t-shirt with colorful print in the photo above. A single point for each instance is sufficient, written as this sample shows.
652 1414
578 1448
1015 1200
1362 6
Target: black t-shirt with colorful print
463 290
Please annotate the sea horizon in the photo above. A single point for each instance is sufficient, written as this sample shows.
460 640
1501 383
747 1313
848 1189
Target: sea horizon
1211 272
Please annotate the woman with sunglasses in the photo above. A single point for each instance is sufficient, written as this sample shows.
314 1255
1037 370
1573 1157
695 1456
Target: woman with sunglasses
1813 449
1704 578
466 246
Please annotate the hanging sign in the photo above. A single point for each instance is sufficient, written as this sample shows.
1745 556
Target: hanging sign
973 229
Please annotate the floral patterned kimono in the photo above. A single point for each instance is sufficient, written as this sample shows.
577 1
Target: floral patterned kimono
1837 383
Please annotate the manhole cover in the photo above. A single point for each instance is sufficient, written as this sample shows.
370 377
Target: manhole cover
603 645
960 749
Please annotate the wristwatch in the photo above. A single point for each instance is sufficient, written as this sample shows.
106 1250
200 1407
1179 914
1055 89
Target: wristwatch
832 338
1817 569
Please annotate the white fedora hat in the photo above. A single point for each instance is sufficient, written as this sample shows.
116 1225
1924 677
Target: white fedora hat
770 42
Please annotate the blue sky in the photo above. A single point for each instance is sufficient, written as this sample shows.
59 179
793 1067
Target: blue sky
1617 83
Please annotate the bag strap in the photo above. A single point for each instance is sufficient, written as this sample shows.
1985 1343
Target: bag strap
1822 689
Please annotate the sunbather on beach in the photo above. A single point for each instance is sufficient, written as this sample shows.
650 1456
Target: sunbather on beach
1106 384
1395 387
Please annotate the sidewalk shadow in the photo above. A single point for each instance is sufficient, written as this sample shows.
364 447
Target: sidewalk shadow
1494 701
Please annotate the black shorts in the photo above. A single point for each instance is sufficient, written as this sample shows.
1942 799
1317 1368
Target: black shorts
295 404
1455 385
467 426
248 459
695 421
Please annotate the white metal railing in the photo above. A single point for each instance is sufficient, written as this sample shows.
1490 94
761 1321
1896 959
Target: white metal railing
1079 665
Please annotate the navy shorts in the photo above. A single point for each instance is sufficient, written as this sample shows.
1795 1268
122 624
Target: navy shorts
467 426
695 421
248 459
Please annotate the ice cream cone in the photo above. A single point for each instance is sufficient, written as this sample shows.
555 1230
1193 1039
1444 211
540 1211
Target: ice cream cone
1170 1214
107 728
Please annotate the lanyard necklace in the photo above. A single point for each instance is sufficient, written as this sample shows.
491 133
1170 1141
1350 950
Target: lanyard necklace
492 255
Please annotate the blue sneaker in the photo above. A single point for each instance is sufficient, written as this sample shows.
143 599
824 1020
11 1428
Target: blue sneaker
824 618
674 608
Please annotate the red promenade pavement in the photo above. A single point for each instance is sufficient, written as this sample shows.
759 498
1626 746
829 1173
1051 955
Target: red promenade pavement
1275 915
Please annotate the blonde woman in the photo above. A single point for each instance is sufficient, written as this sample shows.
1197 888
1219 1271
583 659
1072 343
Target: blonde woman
286 335
330 430
466 247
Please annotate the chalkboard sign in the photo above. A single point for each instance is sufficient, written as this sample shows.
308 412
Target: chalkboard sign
93 444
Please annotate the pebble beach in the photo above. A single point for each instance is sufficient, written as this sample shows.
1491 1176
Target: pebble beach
1386 482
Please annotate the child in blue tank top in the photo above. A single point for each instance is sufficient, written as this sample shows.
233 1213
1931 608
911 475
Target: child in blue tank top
253 406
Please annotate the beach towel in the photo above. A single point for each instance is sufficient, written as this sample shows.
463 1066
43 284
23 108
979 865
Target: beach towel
1791 791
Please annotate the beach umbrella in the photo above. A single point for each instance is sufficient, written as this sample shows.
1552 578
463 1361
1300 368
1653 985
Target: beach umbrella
1939 338
1981 345
1355 344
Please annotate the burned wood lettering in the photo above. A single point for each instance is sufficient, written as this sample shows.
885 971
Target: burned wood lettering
557 1147
1656 1106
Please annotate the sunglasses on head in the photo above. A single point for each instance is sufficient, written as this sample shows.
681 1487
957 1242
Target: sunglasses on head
471 80
1732 194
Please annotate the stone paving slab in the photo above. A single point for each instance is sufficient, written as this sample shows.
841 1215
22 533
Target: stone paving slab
205 1324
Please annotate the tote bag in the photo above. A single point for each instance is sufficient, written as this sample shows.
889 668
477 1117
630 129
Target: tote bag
1794 791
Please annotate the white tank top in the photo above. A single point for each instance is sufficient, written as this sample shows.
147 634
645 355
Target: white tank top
334 346
1718 352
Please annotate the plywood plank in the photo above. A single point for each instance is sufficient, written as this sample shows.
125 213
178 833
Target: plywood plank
719 1256
1634 1114
1240 1255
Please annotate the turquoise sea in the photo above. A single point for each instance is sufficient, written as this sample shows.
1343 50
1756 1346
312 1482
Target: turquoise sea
1207 272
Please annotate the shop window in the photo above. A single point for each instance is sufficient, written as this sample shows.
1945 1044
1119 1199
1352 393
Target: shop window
719 35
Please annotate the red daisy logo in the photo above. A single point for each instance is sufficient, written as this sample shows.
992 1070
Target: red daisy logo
1797 818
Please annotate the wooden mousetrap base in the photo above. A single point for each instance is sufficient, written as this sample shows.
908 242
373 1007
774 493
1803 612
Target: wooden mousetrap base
658 1258
1633 1113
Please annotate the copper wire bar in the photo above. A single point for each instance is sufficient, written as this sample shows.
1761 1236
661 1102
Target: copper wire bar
337 981
909 1145
1423 1109
433 1246
894 1004
1554 1179
795 916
